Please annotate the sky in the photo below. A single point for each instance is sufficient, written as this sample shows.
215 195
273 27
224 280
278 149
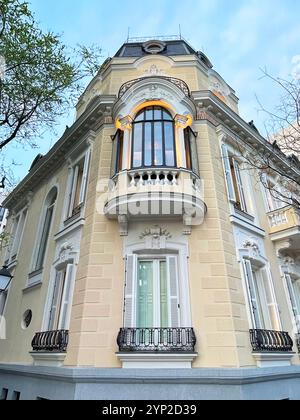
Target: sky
240 37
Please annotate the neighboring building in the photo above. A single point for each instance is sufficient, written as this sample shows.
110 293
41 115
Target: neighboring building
3 218
148 263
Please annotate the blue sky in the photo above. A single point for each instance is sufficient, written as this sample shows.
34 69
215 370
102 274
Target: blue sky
240 37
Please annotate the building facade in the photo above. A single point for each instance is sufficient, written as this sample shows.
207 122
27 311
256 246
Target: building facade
148 262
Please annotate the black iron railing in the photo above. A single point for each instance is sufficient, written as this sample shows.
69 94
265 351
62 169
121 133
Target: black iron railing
51 341
298 342
157 340
271 341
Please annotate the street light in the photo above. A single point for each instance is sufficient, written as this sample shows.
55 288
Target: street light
5 279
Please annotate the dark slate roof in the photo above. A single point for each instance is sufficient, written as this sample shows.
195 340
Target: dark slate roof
135 49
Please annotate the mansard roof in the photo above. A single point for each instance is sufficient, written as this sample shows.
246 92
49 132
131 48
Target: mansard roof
166 48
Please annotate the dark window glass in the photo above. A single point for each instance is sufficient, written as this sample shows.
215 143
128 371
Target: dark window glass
190 139
158 144
4 394
16 396
138 145
169 144
117 153
153 139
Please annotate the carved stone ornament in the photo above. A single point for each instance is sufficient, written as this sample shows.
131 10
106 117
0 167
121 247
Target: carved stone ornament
126 123
156 237
252 246
123 225
153 71
153 93
64 252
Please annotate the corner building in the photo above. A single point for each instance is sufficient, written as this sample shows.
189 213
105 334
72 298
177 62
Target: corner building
147 261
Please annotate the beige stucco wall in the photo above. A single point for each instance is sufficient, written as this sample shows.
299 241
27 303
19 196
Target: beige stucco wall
18 344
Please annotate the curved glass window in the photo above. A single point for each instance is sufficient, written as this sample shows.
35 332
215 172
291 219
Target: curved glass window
153 138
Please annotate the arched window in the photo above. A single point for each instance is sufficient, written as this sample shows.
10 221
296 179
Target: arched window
153 139
45 229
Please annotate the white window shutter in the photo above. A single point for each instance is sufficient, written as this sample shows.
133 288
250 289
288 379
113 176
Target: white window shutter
85 176
271 299
240 184
73 190
172 270
228 176
252 294
292 296
55 300
66 298
131 274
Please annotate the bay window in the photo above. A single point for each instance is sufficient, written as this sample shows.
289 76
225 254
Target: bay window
191 154
153 139
117 153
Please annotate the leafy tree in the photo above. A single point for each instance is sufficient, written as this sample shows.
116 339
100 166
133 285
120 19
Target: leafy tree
40 78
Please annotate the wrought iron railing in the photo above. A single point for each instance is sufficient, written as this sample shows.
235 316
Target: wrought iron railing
271 341
178 82
157 340
51 341
298 342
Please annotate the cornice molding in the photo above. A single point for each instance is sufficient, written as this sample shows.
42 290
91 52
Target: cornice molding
217 112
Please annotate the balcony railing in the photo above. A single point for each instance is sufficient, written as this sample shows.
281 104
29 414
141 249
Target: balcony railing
165 340
271 341
51 341
298 342
283 219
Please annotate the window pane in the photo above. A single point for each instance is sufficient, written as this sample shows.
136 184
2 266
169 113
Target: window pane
78 185
157 113
169 144
114 157
149 114
145 295
138 145
158 144
194 153
44 239
187 148
167 116
164 310
140 117
148 145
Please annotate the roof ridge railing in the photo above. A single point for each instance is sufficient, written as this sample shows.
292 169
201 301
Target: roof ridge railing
156 38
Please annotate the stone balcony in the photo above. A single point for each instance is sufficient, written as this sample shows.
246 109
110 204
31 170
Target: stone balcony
285 226
168 193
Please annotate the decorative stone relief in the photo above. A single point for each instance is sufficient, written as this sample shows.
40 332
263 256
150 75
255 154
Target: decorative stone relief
253 248
153 71
153 93
156 237
65 251
123 225
282 247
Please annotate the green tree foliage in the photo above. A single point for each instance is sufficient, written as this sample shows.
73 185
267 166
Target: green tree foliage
40 78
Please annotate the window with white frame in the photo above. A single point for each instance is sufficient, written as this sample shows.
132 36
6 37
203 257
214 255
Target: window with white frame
16 237
152 292
262 301
234 180
272 197
78 185
45 229
3 298
293 287
61 299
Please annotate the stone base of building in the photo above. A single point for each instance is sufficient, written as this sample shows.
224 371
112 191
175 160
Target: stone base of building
37 382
